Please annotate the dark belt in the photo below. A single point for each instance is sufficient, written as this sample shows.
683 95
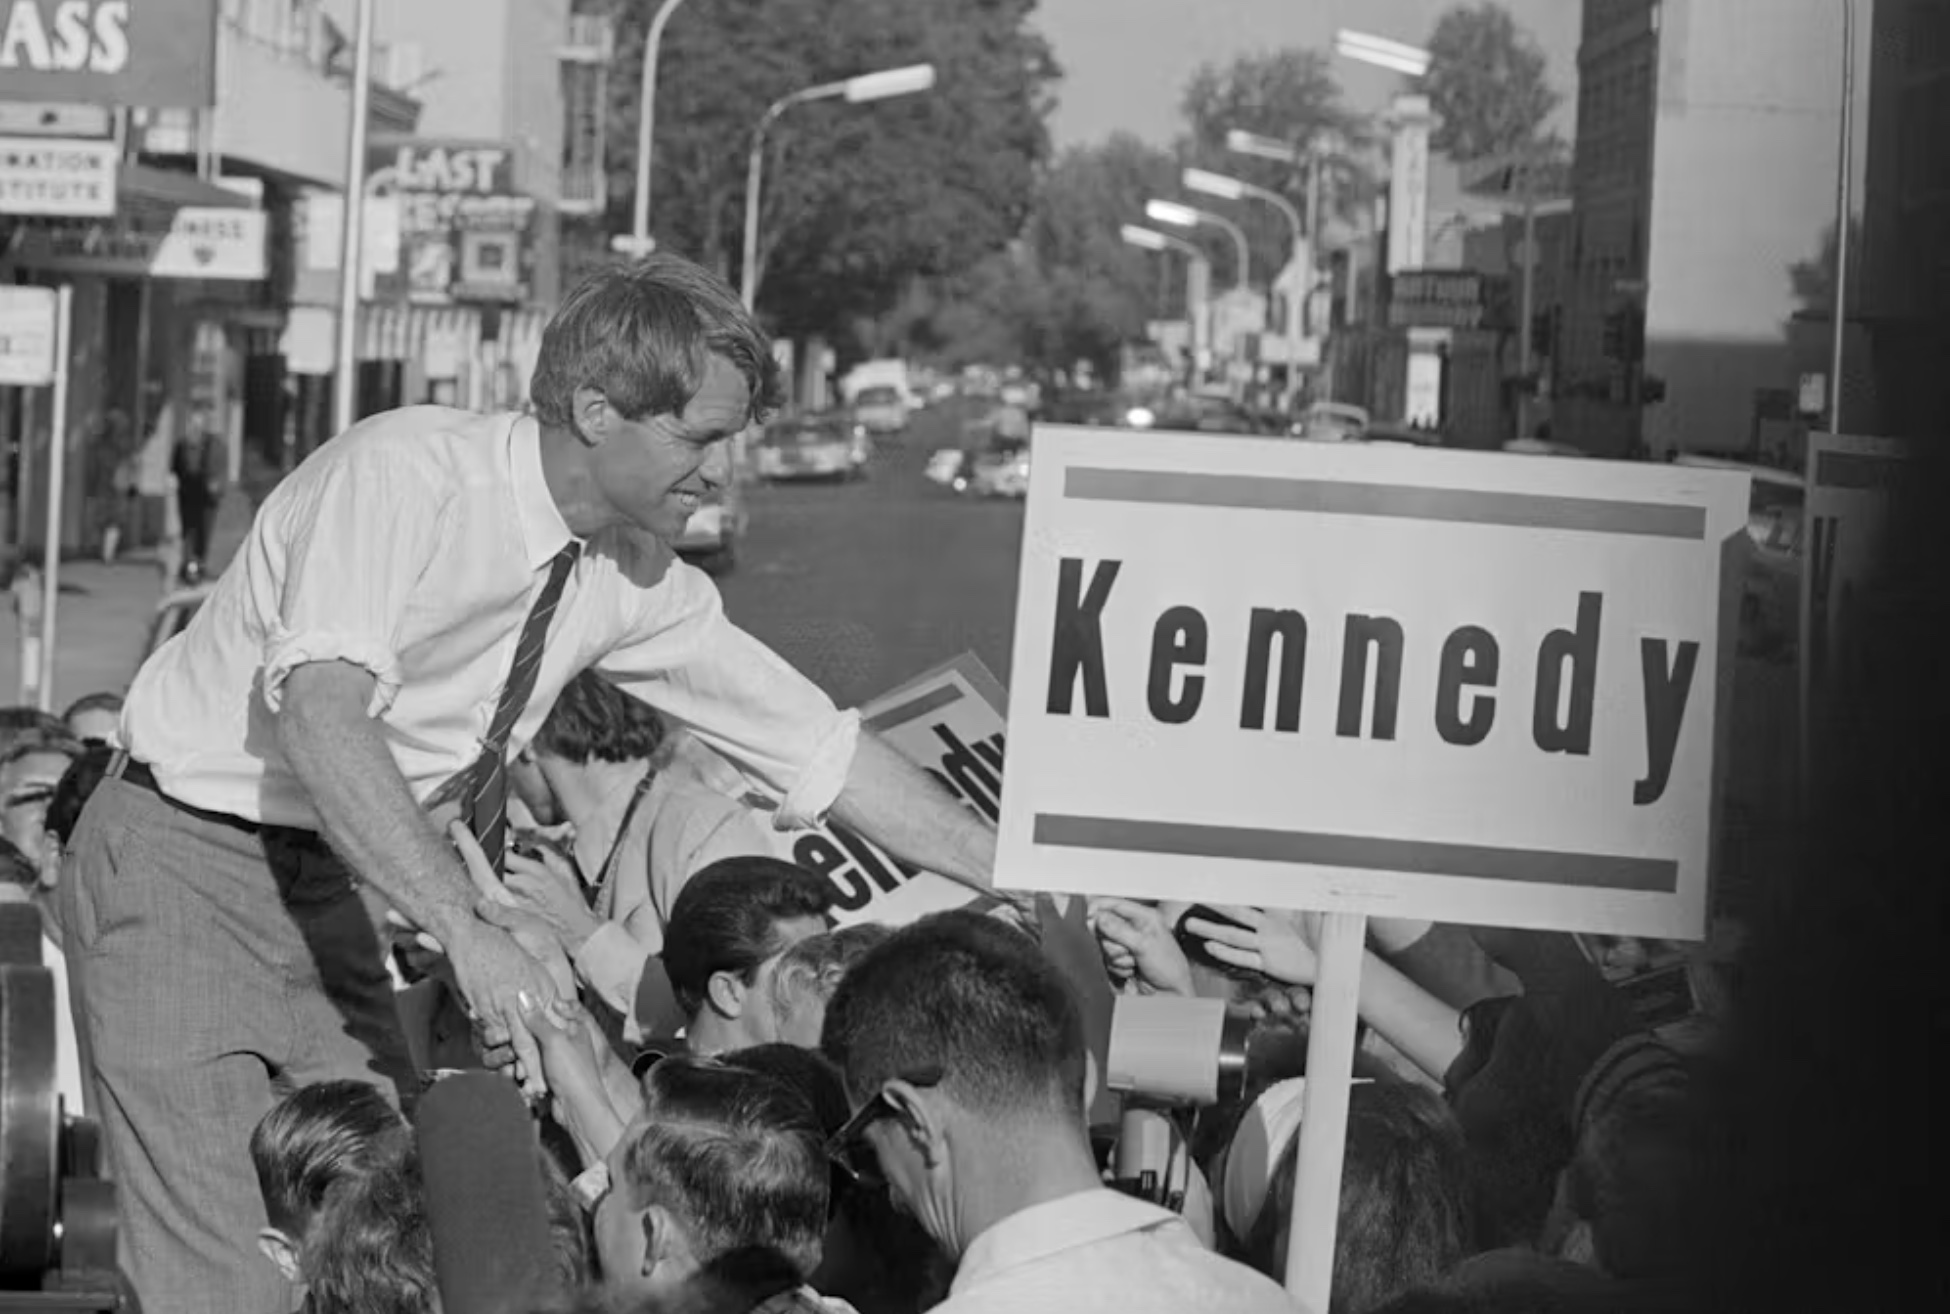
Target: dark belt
132 772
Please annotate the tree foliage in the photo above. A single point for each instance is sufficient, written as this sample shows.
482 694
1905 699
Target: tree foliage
1290 96
857 200
1486 83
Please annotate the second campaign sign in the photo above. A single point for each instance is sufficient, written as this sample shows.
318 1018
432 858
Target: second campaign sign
1472 687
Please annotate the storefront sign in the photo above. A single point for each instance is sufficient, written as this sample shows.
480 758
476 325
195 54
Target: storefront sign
1441 298
193 242
27 332
147 53
463 229
1459 686
56 176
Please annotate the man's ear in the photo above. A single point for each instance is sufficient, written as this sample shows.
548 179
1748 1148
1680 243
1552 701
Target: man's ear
725 993
281 1250
662 1242
918 1120
590 409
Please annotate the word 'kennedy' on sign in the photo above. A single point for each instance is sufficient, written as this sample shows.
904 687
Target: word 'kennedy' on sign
1464 686
1465 701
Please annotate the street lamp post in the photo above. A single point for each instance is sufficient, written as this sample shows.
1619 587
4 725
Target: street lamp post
1383 53
351 253
1237 189
1184 216
901 81
639 244
1150 239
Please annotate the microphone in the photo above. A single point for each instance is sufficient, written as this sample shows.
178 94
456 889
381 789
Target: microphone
487 1210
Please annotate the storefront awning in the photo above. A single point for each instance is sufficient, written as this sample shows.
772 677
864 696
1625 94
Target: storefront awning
175 189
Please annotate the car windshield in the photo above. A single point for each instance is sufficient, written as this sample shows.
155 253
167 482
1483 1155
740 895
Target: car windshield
878 396
806 433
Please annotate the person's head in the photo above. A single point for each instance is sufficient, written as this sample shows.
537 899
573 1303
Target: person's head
314 1141
20 722
95 719
717 1192
371 1250
1405 1196
592 722
644 372
728 926
64 806
964 1056
810 971
30 768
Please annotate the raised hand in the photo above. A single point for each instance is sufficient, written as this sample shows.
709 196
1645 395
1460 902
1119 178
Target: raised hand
1274 944
1139 948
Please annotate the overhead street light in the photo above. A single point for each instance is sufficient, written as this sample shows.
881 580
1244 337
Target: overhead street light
1241 142
1383 53
638 244
880 85
1184 216
1198 272
1238 189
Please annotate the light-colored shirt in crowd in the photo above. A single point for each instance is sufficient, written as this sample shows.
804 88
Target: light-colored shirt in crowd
678 830
1102 1252
414 545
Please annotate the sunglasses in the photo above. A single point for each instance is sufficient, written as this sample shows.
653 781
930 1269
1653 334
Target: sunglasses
843 1147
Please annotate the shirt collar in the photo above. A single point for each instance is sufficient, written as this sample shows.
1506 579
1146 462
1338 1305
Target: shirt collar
543 530
1053 1227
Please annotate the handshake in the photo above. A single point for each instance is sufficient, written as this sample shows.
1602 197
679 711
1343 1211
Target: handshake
510 963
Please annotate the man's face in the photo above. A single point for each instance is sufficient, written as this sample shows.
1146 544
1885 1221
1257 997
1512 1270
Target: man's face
622 1244
26 784
921 1189
656 471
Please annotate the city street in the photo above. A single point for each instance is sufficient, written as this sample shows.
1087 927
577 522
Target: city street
862 585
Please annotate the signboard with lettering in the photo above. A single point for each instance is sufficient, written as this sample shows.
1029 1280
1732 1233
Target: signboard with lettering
463 228
213 242
147 53
27 332
1451 685
950 722
1444 298
56 176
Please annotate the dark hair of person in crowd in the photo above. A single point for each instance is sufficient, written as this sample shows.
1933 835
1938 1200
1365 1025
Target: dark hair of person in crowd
18 721
1628 1183
40 741
1405 1199
642 335
962 993
77 785
16 868
312 1144
726 919
738 1156
594 721
372 1250
105 701
811 970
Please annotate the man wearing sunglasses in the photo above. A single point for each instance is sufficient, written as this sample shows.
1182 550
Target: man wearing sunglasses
964 1057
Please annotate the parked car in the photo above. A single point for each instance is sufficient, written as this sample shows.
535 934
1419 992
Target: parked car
828 446
1206 415
1770 600
712 535
1333 422
882 409
999 470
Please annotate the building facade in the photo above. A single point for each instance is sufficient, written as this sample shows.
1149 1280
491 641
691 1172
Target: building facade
1708 144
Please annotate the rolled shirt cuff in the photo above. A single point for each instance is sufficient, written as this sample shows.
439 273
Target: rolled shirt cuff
822 778
287 651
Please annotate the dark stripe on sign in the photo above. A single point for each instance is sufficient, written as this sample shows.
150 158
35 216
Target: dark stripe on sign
1332 497
1857 470
1596 871
915 708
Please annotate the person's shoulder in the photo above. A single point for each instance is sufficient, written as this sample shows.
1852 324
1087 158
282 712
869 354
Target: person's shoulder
436 443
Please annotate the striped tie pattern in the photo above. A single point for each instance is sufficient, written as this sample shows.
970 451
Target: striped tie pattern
483 787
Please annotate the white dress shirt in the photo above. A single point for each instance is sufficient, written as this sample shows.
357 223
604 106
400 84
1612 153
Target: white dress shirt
1102 1251
414 545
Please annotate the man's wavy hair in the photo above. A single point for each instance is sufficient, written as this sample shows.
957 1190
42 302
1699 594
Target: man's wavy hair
643 335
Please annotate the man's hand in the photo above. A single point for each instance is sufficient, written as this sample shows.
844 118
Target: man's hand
1272 943
498 978
550 890
1139 948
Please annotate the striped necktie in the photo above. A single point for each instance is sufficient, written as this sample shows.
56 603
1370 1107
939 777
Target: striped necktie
482 788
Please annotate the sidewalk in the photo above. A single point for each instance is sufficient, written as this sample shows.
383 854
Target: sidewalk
105 612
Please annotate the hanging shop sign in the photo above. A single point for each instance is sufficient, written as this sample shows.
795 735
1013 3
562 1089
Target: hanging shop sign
193 242
57 176
463 228
144 53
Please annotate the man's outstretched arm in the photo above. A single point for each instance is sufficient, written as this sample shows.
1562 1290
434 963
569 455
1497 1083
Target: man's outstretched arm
906 811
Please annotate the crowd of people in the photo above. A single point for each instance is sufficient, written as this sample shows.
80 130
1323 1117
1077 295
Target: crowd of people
286 928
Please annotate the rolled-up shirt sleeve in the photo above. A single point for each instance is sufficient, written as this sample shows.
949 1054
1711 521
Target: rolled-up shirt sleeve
353 545
741 699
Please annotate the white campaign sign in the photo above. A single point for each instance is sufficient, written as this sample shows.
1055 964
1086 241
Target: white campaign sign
950 722
1454 685
27 332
